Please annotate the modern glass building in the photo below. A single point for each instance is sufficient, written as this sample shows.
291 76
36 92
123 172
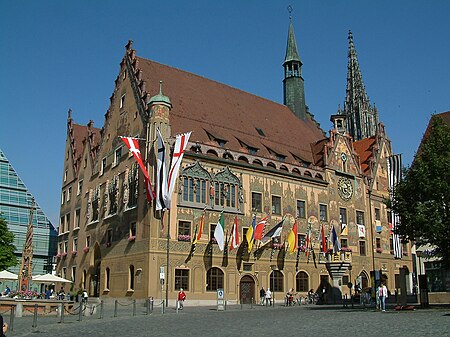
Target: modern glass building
15 204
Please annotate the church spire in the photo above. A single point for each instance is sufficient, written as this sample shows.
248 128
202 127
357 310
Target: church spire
293 83
362 118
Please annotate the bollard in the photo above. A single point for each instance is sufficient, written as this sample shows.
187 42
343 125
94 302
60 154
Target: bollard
177 303
11 319
35 316
241 303
351 299
162 306
151 304
80 312
61 317
115 308
147 304
134 307
225 304
101 310
251 304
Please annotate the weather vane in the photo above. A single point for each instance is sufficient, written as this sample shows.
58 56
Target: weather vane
290 9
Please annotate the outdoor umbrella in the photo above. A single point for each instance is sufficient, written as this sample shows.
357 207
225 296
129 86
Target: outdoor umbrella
49 278
6 275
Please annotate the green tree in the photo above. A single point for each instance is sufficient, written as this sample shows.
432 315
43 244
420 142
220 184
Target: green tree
422 199
7 248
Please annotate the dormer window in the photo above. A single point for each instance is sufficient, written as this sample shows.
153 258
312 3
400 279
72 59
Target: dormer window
251 149
221 141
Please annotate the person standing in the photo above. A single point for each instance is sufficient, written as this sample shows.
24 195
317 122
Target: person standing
382 294
181 298
85 296
262 295
268 297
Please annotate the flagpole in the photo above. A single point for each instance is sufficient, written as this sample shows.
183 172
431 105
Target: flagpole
167 254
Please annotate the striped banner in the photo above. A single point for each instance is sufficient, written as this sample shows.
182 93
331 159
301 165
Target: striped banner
394 164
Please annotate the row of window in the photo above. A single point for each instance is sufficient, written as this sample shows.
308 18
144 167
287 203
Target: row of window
63 246
128 194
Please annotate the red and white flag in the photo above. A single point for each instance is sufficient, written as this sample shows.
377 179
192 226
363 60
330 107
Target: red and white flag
234 241
133 147
259 229
181 142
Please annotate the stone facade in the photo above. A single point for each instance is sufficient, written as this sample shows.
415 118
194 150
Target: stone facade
116 243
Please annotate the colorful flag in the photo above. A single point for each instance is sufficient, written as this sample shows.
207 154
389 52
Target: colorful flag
234 241
181 142
324 240
259 229
344 229
133 147
394 165
273 233
293 238
200 228
308 240
219 233
361 231
250 233
161 179
335 240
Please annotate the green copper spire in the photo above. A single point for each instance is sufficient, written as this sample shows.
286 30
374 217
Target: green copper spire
293 84
160 98
291 48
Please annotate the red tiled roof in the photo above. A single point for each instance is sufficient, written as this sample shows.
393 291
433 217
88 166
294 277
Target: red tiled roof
363 148
201 104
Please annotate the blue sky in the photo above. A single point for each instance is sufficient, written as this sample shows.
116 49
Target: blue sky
57 55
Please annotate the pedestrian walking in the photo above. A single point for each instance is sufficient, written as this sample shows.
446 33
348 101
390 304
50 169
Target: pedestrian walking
268 297
383 294
85 296
181 298
262 295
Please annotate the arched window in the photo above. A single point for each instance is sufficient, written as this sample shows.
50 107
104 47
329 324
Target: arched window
284 168
196 181
107 277
301 281
214 279
319 176
363 280
276 280
257 162
272 165
212 153
243 159
296 171
131 277
308 174
226 189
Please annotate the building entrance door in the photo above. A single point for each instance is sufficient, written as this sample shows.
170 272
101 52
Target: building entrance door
247 289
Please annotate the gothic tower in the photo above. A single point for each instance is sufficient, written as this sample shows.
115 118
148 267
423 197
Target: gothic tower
293 84
362 118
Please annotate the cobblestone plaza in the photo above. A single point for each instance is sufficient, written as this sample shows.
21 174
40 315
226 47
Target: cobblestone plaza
309 320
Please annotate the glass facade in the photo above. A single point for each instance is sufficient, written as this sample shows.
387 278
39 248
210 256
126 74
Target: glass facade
15 203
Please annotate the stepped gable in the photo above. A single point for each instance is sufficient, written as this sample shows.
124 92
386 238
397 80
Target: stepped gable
80 136
206 106
364 148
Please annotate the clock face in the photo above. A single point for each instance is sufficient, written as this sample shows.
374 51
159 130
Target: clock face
343 156
345 188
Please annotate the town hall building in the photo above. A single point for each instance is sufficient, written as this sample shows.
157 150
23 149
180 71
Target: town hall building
247 158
